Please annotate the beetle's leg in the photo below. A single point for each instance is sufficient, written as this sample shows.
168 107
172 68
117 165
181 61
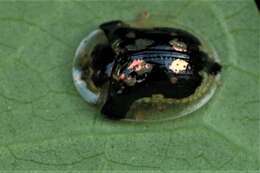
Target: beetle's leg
213 67
210 65
116 107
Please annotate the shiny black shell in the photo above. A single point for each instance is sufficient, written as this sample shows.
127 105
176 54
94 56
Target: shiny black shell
139 62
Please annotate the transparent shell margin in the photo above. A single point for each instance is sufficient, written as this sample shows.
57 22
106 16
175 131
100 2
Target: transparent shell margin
82 57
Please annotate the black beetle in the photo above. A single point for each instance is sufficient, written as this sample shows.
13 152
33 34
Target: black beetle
141 62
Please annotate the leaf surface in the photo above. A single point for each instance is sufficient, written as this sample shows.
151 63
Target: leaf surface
45 124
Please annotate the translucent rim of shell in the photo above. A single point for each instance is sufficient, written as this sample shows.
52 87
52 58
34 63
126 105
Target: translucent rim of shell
83 51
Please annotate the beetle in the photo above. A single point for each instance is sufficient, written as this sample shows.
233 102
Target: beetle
141 62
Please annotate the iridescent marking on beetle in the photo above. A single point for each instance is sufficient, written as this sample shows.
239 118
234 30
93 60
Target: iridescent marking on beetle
137 65
178 45
178 66
140 66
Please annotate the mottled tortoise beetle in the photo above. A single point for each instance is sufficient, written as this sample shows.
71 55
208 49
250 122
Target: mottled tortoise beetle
129 63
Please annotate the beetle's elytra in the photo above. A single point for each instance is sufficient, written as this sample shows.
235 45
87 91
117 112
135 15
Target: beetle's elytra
135 63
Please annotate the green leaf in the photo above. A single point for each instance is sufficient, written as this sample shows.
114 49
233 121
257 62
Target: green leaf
46 125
